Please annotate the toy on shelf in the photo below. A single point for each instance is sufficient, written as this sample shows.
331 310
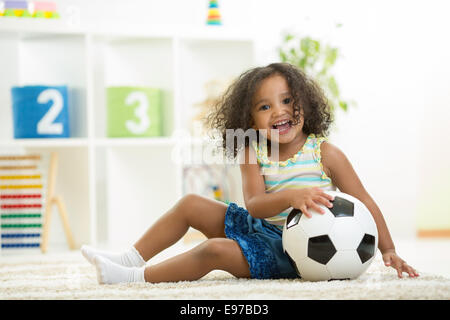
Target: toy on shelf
40 112
213 13
29 9
208 180
133 112
27 194
218 193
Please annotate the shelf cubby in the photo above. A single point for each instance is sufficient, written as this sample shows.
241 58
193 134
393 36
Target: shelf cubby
115 188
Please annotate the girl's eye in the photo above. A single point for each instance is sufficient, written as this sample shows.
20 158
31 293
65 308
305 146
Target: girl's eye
287 100
264 107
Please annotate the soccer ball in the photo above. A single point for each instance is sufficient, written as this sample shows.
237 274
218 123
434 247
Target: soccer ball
340 244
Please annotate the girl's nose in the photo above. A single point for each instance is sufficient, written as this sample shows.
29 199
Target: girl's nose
278 109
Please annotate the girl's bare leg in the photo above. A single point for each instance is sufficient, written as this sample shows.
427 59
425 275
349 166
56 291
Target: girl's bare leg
218 252
212 254
201 213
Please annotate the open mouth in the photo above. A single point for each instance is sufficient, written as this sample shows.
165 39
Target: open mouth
282 126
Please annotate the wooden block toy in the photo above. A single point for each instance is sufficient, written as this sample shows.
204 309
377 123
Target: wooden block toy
45 6
16 4
29 9
15 8
40 112
133 112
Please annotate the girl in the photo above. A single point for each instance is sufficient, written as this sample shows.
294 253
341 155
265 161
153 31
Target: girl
291 110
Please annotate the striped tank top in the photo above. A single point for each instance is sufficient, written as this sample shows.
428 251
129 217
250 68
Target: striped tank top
303 170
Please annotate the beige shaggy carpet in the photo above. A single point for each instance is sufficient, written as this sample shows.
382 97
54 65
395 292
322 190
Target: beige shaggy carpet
69 276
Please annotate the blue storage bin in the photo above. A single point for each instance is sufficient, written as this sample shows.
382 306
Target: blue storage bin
40 112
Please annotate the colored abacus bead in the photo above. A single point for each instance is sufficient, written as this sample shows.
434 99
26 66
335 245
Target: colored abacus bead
20 196
20 245
20 235
20 206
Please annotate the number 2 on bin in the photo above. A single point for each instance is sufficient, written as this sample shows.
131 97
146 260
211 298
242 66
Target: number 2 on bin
46 125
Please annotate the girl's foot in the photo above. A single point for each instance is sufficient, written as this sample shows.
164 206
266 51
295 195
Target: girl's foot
109 272
130 258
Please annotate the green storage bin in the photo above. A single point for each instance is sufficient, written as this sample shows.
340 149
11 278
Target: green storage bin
133 112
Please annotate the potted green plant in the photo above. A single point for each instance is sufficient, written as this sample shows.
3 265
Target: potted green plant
317 60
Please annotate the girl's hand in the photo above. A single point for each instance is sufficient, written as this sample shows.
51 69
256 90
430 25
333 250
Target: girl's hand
310 198
391 259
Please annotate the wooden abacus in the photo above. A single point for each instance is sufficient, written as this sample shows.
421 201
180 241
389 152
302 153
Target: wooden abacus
23 229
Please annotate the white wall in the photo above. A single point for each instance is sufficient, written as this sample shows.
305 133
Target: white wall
395 65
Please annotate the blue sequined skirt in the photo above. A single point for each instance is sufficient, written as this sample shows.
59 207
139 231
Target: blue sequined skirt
261 244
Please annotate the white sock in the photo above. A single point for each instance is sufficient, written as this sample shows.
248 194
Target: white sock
130 258
109 272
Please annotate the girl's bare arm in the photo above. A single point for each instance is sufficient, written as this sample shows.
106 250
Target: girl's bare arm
261 205
339 169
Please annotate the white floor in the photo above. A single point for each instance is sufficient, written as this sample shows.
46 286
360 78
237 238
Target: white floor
425 255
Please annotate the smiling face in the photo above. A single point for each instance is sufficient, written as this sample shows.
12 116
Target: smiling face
272 109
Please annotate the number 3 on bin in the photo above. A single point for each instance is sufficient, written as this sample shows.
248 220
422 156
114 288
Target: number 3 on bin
141 112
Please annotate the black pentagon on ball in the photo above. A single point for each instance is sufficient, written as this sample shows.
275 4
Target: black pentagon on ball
366 248
342 207
293 216
321 249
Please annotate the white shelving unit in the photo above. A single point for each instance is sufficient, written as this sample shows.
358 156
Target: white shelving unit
115 188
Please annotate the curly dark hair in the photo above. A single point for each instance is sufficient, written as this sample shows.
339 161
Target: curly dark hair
233 109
